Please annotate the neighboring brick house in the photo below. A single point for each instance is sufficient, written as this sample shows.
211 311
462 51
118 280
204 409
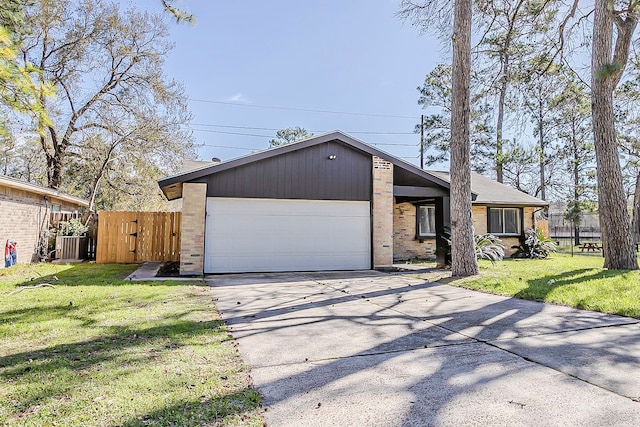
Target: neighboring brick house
330 202
26 209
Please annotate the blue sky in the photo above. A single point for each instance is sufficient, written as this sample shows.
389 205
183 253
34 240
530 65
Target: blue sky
346 56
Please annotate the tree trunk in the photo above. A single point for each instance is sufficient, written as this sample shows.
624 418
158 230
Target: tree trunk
541 157
94 192
463 257
614 219
54 170
576 178
635 221
499 123
505 63
98 177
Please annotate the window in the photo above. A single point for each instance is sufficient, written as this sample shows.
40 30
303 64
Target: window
504 220
426 221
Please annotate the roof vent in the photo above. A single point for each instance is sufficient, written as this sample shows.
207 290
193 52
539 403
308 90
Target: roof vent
215 160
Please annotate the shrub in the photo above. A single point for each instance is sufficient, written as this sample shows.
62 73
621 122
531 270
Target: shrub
73 227
534 244
488 246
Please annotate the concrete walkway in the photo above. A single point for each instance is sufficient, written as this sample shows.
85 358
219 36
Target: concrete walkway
367 348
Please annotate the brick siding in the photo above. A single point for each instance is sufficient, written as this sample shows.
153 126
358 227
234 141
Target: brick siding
479 217
405 244
24 215
194 200
382 207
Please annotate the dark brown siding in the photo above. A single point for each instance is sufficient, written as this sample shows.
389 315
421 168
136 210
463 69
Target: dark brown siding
303 174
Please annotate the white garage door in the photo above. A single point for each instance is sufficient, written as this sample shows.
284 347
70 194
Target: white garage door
261 235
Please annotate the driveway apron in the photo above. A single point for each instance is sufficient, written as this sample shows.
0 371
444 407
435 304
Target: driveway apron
369 348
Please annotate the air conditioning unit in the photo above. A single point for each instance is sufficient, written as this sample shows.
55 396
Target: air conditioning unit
71 247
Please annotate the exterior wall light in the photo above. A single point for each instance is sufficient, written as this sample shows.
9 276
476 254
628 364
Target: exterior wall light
332 157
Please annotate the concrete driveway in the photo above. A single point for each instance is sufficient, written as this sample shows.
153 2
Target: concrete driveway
372 349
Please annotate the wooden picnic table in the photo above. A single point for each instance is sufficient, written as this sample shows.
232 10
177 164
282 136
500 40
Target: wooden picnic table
590 247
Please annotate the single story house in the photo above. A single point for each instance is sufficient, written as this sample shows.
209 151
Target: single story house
496 208
330 202
26 211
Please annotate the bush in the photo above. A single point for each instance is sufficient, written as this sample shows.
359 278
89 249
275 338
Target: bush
488 246
534 245
73 227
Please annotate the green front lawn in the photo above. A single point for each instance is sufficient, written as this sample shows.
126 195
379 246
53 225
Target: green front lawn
577 281
96 351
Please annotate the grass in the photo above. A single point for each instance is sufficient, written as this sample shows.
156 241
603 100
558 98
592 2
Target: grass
97 351
578 281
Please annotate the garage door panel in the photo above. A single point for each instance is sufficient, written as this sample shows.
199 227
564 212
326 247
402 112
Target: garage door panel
237 264
245 235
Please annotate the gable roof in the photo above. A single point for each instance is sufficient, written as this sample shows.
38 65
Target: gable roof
171 185
38 189
484 190
492 192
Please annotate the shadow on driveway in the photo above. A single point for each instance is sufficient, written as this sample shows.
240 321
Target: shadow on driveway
368 348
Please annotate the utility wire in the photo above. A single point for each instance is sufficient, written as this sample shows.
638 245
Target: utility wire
308 110
264 148
231 127
232 133
231 148
270 136
312 131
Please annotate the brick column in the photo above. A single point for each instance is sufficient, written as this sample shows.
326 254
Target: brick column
382 213
194 201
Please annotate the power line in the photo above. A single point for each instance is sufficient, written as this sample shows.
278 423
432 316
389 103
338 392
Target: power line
393 144
270 136
232 133
308 110
232 127
231 148
312 131
363 132
264 148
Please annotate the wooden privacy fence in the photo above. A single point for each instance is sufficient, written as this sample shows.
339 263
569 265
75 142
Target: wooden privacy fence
129 237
